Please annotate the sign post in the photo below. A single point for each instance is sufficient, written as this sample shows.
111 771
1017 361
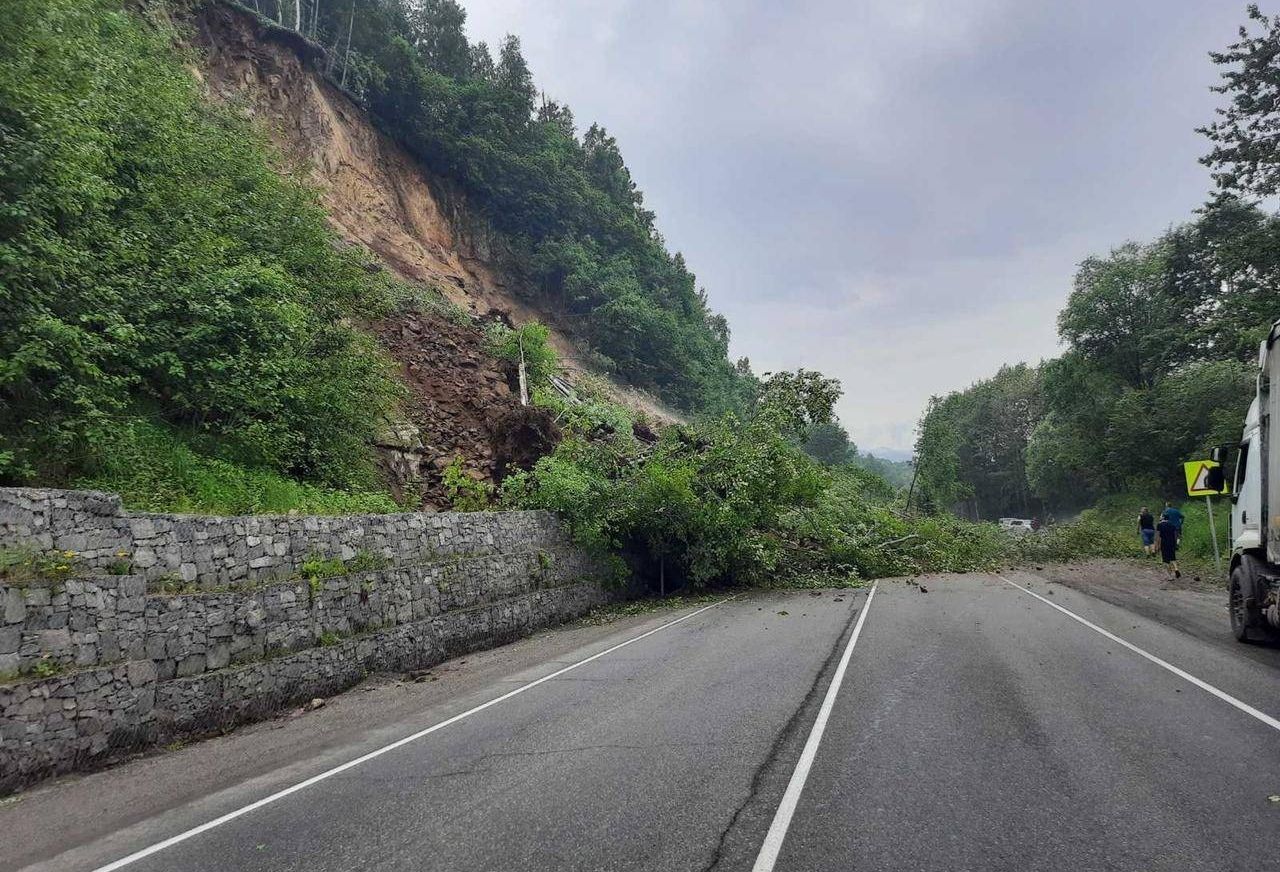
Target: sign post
1213 531
1197 474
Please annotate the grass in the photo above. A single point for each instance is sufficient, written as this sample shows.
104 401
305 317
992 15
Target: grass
316 569
22 565
1120 514
155 470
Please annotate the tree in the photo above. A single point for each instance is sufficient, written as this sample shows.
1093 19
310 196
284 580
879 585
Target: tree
1245 157
1120 317
482 65
437 34
513 76
829 444
1065 461
938 456
973 443
797 401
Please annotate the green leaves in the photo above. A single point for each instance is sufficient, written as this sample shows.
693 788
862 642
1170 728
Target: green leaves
729 501
153 261
1244 155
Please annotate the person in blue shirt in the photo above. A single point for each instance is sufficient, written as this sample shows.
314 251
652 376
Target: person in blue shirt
1174 514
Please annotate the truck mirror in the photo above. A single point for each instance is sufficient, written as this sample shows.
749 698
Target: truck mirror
1216 454
1215 478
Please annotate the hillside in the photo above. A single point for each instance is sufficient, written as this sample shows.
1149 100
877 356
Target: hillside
227 280
418 224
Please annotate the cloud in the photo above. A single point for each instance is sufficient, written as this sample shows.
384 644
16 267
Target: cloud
893 191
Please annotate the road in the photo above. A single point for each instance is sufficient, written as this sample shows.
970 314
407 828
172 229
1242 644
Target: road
971 725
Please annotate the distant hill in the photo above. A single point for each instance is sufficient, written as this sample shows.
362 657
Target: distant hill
897 455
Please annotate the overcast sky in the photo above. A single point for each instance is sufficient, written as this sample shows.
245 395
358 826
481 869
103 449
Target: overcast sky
895 192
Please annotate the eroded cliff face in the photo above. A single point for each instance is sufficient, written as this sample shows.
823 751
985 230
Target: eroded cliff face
417 224
375 193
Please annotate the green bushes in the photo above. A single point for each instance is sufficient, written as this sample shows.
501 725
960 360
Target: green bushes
529 342
154 265
155 470
465 494
737 502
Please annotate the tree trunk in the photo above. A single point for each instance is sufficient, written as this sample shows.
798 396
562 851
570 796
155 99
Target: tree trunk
346 58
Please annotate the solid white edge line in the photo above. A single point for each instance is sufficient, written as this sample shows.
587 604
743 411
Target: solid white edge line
302 785
1203 685
768 855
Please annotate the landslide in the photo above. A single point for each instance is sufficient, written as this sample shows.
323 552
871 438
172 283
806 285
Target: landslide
419 225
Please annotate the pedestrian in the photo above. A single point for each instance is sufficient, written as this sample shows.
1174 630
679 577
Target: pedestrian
1147 530
1167 541
1175 515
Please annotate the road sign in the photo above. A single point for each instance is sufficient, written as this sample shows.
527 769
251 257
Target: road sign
1197 472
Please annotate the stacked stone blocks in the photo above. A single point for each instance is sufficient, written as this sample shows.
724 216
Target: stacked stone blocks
97 665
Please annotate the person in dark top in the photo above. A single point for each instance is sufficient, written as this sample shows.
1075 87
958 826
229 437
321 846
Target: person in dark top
1167 540
1147 530
1175 515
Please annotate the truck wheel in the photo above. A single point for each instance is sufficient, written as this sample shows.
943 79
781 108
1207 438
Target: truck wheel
1236 606
1247 623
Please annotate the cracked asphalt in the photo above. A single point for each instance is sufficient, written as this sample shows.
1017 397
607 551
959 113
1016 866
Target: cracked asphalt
976 728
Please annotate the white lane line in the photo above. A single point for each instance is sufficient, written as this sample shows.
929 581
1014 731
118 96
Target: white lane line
315 779
768 855
1203 685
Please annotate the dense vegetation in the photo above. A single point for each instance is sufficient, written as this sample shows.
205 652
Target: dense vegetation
565 201
740 500
176 313
181 326
1161 341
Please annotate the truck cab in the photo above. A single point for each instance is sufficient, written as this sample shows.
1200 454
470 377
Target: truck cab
1246 490
1254 582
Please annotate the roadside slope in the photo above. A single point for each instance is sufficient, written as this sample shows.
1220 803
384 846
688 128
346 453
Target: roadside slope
377 195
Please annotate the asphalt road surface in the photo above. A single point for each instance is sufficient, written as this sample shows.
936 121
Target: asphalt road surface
987 722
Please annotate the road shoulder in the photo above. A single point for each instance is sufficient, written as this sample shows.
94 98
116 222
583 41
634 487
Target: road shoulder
294 745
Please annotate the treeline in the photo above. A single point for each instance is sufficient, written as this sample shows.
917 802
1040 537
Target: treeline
565 200
1161 341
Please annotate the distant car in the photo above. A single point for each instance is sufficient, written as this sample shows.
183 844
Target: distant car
1016 525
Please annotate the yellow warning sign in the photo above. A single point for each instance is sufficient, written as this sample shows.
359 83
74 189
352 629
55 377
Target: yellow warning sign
1197 472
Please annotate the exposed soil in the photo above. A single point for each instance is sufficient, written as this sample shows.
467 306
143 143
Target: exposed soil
418 224
458 395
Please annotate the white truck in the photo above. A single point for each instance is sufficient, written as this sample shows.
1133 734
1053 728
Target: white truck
1254 583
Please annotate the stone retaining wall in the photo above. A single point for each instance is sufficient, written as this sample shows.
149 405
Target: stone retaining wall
217 551
93 666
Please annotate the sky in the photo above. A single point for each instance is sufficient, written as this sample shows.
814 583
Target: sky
894 192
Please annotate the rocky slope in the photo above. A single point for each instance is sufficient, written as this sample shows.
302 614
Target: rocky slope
418 224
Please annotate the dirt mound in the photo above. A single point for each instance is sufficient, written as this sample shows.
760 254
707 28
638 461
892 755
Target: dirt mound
522 437
457 395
